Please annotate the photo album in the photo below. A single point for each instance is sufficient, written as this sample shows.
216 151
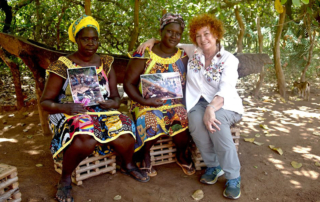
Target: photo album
85 85
161 85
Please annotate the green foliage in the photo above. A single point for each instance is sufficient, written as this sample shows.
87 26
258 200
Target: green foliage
40 23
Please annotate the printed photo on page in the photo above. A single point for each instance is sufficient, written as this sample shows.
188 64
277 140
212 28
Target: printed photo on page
85 85
162 85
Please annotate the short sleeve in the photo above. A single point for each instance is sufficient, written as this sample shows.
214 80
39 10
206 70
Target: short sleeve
59 68
107 62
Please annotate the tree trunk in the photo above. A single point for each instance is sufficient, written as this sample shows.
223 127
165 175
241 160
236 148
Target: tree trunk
312 36
16 78
87 6
241 30
277 63
7 10
37 33
58 25
262 73
135 32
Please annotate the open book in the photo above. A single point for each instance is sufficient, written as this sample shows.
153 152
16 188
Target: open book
85 85
163 85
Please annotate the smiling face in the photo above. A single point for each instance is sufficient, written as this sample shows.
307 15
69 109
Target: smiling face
88 41
171 34
205 39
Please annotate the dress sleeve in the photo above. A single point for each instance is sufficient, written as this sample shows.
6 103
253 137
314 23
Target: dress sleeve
188 48
107 62
59 68
229 77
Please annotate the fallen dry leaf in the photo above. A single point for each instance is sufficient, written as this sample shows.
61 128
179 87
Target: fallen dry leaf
117 198
249 139
257 135
270 135
258 143
244 135
39 165
264 126
316 133
279 150
198 195
296 164
283 100
317 164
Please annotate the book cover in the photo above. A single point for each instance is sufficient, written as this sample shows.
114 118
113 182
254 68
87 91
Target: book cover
85 85
162 85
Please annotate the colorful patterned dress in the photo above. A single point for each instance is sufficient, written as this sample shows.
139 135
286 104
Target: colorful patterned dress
168 119
104 125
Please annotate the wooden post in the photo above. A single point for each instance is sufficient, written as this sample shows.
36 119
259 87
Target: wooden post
16 78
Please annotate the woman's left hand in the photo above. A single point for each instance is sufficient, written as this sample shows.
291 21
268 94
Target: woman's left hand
107 104
210 121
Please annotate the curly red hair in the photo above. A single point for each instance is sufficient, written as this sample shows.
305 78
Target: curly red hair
203 20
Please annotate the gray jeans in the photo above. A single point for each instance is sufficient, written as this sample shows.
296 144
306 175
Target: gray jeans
216 148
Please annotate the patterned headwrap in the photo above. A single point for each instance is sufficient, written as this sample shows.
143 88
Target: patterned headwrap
170 18
80 23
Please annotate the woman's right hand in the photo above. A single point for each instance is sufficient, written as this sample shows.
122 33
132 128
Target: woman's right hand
74 108
150 43
154 102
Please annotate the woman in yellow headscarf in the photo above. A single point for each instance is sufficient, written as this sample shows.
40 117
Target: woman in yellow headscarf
77 128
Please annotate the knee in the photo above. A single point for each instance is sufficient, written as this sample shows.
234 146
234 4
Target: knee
196 124
123 140
84 142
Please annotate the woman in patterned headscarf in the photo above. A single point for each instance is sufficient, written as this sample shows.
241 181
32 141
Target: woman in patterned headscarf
155 117
80 130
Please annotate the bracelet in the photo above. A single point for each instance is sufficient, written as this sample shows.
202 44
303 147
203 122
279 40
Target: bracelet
212 107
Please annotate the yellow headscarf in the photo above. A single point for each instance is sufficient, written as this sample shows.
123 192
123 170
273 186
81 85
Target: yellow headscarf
80 23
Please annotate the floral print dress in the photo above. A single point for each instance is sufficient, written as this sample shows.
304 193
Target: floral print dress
168 119
104 125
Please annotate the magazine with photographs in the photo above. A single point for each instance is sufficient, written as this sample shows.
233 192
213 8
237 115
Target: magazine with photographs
161 85
84 85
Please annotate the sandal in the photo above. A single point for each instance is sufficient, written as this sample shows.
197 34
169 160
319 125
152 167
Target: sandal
187 169
64 192
150 171
129 172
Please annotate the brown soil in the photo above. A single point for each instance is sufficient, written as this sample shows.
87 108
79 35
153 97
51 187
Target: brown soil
266 175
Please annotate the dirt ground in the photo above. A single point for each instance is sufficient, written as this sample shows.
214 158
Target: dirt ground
266 175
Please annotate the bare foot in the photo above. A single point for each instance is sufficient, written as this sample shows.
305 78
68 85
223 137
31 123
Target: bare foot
137 174
64 193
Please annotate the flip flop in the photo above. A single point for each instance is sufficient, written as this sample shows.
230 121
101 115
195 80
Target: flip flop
186 168
66 192
150 172
128 172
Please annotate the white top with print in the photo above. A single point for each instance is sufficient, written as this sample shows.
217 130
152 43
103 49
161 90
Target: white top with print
219 78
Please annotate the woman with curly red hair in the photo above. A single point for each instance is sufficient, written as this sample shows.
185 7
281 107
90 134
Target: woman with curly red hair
213 103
